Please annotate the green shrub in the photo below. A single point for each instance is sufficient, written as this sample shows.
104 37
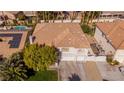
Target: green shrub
115 62
111 61
87 29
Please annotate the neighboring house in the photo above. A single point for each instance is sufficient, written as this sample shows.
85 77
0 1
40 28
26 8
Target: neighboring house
11 42
67 37
30 13
8 14
110 36
27 13
112 14
6 17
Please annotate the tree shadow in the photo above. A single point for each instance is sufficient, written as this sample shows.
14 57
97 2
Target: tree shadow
30 72
74 77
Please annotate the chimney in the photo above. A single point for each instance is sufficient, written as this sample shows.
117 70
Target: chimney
31 39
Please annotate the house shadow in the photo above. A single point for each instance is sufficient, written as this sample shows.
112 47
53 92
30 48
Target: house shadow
74 77
105 80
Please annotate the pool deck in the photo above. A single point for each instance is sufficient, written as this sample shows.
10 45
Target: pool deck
5 48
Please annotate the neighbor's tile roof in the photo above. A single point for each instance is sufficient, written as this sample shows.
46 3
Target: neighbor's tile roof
27 13
61 35
112 12
9 14
5 49
114 31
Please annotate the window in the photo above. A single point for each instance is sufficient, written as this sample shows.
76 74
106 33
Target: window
65 49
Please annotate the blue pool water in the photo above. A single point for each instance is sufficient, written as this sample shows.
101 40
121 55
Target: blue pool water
20 28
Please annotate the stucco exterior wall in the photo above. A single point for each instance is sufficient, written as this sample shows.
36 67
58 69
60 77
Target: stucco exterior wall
75 53
119 55
101 39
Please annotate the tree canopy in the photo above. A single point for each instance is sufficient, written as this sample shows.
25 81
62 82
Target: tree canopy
40 57
20 15
13 68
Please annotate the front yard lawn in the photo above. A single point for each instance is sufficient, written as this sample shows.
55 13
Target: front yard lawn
48 75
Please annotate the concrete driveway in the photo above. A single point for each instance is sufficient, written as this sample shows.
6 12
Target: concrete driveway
109 72
71 71
88 71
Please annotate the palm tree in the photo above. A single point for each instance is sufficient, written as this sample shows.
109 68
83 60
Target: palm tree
5 21
43 15
61 16
88 17
37 16
3 17
98 17
48 16
13 68
53 16
57 15
82 17
92 16
84 20
72 16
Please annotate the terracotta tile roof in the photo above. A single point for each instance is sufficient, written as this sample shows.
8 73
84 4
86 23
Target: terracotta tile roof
5 48
61 35
114 32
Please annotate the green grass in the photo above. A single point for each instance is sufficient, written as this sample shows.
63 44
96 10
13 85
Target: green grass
49 75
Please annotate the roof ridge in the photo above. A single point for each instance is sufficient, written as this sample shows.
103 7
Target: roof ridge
61 36
122 40
82 35
120 44
66 36
37 30
114 26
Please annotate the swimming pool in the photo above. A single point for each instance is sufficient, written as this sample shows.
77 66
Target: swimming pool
20 28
